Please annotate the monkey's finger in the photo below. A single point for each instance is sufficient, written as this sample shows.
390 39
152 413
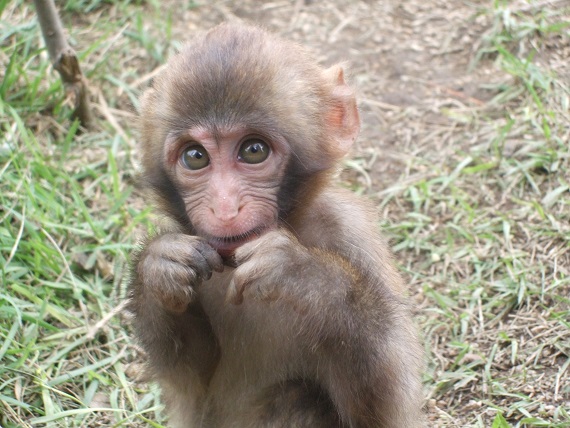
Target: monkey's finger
175 298
276 240
197 262
244 276
211 256
192 251
236 288
234 293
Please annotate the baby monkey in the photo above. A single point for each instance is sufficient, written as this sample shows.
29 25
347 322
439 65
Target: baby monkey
273 301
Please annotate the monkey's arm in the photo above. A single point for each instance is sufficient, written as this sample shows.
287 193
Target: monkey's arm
352 324
162 297
277 266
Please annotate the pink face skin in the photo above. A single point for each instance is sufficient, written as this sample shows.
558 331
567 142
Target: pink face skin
229 192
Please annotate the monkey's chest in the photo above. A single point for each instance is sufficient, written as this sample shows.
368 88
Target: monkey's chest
257 341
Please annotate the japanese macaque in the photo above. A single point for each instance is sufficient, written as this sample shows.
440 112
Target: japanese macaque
272 301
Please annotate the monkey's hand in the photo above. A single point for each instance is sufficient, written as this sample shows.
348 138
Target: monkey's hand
172 265
268 265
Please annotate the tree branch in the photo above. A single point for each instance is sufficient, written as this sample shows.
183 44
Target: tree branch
64 60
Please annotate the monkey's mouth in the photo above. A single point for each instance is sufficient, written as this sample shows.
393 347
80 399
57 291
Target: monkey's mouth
226 246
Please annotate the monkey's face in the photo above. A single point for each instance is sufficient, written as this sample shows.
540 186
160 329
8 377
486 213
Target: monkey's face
229 181
237 128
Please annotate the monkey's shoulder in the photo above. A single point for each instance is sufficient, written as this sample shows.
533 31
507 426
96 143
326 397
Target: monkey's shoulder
337 215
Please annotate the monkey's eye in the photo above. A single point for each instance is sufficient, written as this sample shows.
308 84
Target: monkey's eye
253 151
195 157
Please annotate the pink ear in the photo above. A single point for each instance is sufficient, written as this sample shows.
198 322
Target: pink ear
342 118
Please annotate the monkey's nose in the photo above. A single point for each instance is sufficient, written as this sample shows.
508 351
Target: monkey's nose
225 210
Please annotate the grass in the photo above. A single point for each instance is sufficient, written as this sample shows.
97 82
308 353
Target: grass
483 236
487 237
67 222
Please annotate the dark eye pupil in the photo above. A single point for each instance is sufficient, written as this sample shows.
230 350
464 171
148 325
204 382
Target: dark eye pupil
195 158
254 150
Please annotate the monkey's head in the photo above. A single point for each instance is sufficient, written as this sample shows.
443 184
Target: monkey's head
237 128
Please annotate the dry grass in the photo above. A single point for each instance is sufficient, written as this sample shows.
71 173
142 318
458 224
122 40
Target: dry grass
465 149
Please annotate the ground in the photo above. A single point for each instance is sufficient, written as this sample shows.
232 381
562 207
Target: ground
463 148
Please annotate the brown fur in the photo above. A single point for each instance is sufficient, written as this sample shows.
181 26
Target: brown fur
312 328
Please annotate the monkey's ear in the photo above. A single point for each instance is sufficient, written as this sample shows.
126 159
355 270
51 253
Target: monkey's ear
342 117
